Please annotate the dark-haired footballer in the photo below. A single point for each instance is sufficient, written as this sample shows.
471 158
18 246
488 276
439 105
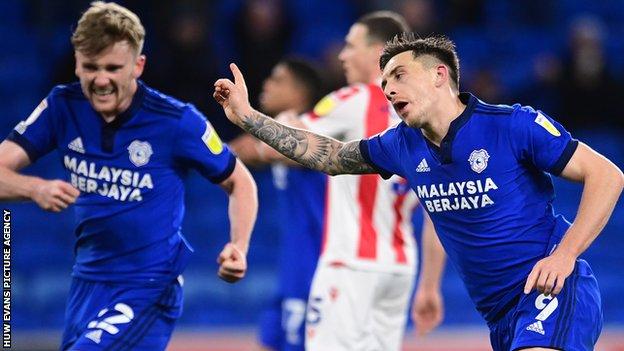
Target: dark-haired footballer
483 173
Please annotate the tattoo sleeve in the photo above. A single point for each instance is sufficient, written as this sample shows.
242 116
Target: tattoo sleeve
313 151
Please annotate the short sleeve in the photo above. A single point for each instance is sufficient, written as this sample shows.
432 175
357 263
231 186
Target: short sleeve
36 134
337 113
541 141
381 151
198 146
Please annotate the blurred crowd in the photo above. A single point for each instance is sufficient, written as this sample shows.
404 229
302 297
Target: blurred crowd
564 57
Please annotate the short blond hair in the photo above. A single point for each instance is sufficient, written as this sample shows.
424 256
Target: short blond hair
104 24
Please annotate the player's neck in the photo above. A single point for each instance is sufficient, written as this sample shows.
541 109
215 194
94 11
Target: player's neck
447 110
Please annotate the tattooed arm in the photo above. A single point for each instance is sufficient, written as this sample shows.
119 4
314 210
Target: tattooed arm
309 149
314 151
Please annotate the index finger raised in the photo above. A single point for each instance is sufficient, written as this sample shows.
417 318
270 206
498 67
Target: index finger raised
238 76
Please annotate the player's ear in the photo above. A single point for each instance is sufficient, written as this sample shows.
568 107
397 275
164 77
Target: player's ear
441 75
139 65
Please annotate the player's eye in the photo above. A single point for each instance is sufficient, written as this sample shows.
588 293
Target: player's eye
113 69
89 67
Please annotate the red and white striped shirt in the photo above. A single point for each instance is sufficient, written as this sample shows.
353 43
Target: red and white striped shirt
367 222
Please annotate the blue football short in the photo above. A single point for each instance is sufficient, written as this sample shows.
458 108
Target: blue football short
282 325
571 321
105 316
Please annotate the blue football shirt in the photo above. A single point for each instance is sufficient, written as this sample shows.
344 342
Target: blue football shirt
130 176
488 191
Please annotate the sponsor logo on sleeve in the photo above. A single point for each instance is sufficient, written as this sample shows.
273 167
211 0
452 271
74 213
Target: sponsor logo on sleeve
546 124
21 126
212 140
325 106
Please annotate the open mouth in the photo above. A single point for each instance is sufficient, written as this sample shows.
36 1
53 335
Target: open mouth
103 92
400 106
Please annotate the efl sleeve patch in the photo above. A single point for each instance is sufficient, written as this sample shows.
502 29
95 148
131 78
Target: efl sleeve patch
21 126
546 124
531 144
195 134
330 102
37 133
325 106
212 140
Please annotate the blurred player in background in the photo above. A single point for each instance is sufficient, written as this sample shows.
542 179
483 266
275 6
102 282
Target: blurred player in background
126 148
363 282
294 85
482 172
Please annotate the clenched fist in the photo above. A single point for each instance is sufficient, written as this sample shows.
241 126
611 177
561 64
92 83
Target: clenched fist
232 264
54 195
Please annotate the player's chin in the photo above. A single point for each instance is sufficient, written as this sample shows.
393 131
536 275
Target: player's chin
411 121
412 124
103 108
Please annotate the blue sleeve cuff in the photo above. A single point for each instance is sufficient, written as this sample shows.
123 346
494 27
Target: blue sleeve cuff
31 150
366 155
226 172
565 157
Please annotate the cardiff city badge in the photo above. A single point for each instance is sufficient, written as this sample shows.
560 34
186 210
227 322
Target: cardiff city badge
479 160
140 152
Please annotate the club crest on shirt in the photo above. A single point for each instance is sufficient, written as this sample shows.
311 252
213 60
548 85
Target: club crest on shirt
479 160
140 152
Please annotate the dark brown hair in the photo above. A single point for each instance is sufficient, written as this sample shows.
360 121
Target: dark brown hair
440 47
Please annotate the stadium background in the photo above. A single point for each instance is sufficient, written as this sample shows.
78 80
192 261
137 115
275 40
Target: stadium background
565 57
